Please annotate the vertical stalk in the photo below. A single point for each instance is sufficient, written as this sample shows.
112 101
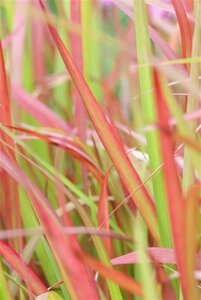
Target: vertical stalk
144 53
192 104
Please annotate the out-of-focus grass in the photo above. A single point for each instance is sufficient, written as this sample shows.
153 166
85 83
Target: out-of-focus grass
101 133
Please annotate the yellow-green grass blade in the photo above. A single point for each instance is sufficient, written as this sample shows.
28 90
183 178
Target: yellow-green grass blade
4 290
91 50
145 269
192 104
143 47
42 251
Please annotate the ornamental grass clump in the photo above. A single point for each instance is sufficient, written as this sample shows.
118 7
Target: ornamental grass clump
100 147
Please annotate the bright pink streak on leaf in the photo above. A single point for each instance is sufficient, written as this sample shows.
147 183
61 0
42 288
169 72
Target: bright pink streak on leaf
44 115
160 255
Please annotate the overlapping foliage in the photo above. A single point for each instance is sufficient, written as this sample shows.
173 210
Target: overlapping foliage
100 149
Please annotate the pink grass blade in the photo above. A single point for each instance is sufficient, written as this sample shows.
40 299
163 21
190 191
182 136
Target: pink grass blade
176 200
25 272
112 145
66 253
76 50
160 255
44 115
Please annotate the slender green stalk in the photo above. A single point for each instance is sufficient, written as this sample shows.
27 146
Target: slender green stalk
192 104
144 54
147 275
4 290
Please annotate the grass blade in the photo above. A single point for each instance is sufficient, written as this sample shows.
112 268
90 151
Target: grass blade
173 189
146 272
25 272
4 290
192 104
113 146
143 47
10 192
71 268
103 209
184 25
37 109
121 279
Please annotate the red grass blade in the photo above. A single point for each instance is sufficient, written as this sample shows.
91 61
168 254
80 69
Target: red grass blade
121 279
112 144
184 25
176 201
64 142
5 111
167 290
27 275
10 203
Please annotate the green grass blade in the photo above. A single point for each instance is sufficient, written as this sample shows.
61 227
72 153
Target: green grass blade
143 46
4 290
192 104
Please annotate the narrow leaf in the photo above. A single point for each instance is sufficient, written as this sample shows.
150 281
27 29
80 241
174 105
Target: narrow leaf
71 267
184 25
10 192
103 209
112 145
173 188
25 272
144 53
121 279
